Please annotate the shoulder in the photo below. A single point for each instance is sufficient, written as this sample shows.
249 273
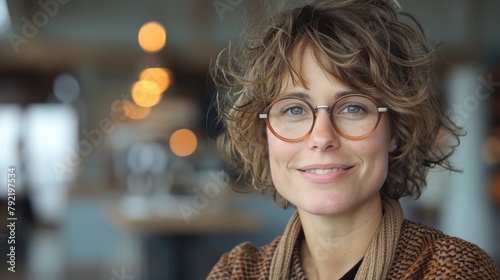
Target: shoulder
245 260
425 252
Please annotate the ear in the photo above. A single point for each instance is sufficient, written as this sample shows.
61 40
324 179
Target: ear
392 145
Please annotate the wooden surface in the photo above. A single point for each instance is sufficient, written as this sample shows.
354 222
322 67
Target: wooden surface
204 223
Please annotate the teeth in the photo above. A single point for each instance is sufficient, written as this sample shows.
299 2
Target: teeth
323 171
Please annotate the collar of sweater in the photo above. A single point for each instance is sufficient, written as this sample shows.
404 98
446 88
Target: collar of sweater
377 260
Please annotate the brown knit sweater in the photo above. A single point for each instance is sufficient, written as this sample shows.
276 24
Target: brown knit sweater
422 253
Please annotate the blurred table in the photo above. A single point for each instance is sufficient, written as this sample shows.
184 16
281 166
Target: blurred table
204 223
169 240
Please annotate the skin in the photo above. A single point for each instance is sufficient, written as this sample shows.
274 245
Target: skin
341 210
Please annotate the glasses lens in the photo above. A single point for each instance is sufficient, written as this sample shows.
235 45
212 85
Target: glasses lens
291 118
355 116
352 116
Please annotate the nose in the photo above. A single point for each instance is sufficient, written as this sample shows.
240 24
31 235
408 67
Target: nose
323 136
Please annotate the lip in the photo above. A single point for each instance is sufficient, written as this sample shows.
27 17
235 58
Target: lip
325 174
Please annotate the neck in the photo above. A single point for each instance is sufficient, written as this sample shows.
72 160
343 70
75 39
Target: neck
333 244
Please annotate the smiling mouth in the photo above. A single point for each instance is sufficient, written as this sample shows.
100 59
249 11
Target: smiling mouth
325 171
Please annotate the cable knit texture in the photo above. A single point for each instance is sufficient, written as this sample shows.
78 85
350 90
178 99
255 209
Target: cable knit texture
400 249
378 257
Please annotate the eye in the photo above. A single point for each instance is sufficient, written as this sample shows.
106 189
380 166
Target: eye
353 109
294 110
290 109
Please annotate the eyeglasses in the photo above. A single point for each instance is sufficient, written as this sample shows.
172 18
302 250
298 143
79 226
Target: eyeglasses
353 116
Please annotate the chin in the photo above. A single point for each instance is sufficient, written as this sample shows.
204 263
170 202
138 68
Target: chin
324 206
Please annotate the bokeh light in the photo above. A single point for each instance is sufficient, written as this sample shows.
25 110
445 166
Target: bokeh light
146 93
66 88
135 112
161 76
491 151
183 142
152 36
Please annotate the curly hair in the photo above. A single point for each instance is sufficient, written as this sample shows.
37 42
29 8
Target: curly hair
366 47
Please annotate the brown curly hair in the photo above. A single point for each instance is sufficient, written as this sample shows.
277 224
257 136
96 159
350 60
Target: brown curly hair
365 46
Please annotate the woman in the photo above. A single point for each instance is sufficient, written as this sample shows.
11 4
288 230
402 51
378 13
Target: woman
335 112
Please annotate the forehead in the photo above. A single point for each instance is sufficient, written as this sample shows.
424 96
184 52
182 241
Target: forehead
306 67
307 54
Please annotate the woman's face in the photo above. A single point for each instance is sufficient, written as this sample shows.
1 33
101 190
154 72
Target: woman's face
327 174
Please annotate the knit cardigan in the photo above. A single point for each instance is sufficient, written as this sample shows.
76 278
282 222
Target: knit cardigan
421 253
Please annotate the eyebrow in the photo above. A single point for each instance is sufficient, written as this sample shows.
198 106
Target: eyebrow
307 97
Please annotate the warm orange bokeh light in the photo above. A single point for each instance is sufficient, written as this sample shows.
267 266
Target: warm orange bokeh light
161 76
491 150
134 112
146 93
495 188
183 142
152 36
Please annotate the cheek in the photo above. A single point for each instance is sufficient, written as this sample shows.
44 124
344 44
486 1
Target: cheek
278 151
375 154
281 154
381 139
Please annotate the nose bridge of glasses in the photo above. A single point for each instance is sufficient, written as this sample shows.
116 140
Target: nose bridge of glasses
321 107
327 111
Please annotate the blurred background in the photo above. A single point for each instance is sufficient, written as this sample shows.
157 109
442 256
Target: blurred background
107 129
